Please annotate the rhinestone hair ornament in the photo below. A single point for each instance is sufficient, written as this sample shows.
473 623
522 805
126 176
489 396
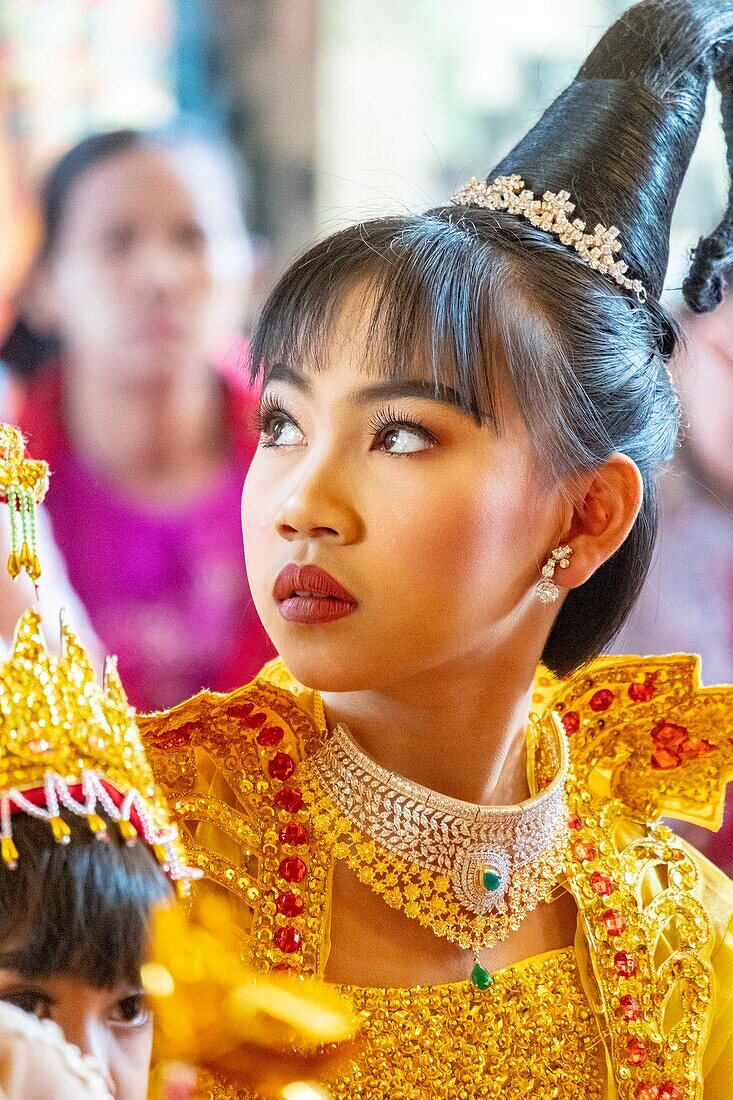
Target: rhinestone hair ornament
68 743
550 213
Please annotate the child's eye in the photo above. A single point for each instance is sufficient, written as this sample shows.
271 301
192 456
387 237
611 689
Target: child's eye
276 426
31 1001
131 1011
395 435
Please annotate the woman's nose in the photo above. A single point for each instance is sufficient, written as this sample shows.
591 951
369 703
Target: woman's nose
162 267
316 508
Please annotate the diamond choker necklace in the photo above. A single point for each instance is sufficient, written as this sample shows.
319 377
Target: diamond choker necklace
471 873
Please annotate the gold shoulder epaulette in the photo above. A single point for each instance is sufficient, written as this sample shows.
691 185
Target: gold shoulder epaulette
646 730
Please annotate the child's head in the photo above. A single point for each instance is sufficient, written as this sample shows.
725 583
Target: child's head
450 396
74 921
87 849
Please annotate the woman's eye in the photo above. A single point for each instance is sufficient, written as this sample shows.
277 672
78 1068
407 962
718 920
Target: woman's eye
131 1011
278 430
118 240
403 439
191 238
30 1001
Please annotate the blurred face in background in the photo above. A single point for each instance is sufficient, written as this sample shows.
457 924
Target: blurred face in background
134 287
706 390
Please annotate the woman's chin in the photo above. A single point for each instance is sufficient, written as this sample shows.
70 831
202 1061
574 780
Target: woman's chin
322 675
325 668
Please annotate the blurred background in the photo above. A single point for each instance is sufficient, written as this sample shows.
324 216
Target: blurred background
126 297
340 109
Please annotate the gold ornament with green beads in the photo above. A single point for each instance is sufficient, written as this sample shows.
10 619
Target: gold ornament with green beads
23 485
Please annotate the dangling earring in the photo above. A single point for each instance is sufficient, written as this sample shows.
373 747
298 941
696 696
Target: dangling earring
547 591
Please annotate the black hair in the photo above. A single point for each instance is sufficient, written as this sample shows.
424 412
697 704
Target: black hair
483 296
81 909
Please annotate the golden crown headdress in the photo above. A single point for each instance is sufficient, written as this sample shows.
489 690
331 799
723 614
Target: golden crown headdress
69 743
597 249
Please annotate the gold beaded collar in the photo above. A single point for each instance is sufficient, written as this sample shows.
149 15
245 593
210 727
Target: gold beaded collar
481 868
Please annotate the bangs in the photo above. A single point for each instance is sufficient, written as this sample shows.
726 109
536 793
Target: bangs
431 291
79 910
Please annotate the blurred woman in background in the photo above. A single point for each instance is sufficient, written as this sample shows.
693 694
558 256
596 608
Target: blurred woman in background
138 285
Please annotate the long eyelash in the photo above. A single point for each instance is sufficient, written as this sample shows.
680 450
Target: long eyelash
388 417
268 407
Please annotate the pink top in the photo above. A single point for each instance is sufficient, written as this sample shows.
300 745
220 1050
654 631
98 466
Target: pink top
166 592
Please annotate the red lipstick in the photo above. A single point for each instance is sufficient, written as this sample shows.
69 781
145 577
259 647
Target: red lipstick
308 594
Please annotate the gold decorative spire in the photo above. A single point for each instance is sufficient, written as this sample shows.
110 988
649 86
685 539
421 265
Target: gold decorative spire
69 743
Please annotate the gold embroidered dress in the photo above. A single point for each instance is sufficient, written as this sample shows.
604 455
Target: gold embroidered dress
640 1008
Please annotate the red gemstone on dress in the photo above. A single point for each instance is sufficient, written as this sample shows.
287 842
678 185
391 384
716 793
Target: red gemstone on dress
240 710
293 833
625 964
293 869
665 759
585 850
287 939
642 693
269 736
289 904
601 884
571 721
637 1051
254 721
281 766
601 700
289 799
243 713
175 739
628 1008
669 735
645 1090
669 1091
614 921
574 822
694 750
284 968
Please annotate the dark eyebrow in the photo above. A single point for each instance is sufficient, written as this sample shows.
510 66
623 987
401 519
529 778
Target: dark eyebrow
283 372
420 388
390 389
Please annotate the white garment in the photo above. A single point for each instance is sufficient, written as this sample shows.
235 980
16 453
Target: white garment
36 1062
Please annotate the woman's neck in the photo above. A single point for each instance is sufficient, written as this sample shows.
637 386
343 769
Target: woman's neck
459 731
161 441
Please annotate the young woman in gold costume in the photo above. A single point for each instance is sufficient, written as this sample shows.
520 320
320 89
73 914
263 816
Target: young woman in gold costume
451 511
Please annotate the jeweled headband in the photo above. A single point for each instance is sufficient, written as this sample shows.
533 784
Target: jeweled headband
597 249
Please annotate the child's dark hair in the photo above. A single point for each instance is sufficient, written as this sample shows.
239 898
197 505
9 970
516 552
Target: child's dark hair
482 296
80 909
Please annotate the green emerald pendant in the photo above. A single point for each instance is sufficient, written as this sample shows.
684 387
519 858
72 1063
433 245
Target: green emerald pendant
481 977
491 880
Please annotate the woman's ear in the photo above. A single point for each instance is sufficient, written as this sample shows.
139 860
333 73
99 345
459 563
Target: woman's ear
37 301
605 504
